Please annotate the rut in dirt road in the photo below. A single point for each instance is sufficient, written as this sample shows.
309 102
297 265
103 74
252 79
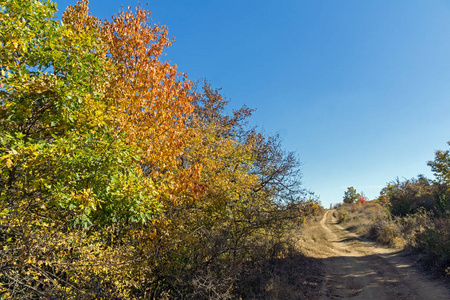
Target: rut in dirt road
360 269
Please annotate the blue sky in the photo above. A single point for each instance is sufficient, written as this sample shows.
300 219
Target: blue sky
358 89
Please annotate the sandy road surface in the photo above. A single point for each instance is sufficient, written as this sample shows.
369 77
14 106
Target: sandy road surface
359 269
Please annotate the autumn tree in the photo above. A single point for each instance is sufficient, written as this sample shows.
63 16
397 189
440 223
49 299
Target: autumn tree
53 136
69 168
208 228
252 189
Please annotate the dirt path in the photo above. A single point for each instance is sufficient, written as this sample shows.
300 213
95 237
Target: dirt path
360 269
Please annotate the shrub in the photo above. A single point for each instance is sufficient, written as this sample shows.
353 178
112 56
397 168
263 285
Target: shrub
385 232
412 195
434 241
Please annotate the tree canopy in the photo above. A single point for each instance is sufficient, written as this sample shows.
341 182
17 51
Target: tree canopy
117 177
351 196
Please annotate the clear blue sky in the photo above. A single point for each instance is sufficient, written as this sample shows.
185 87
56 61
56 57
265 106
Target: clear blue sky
359 89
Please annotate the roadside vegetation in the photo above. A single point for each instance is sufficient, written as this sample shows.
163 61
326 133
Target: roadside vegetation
120 180
411 214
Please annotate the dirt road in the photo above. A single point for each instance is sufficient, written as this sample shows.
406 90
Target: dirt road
360 269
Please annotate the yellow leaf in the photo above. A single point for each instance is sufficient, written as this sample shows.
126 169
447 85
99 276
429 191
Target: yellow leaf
9 163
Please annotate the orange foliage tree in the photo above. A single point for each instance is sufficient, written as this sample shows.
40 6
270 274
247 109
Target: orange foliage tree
152 100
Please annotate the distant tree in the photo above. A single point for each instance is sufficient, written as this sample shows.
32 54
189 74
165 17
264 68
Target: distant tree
441 169
351 195
441 166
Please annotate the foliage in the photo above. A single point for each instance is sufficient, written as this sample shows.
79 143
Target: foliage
441 166
362 199
350 195
434 241
411 195
67 172
236 221
117 179
441 169
152 100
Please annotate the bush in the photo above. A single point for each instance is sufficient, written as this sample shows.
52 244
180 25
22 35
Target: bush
386 232
412 195
434 241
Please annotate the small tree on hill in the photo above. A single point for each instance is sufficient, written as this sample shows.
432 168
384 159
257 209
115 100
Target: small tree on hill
441 166
351 195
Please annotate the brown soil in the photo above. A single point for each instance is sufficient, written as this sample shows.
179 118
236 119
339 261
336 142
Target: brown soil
359 269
